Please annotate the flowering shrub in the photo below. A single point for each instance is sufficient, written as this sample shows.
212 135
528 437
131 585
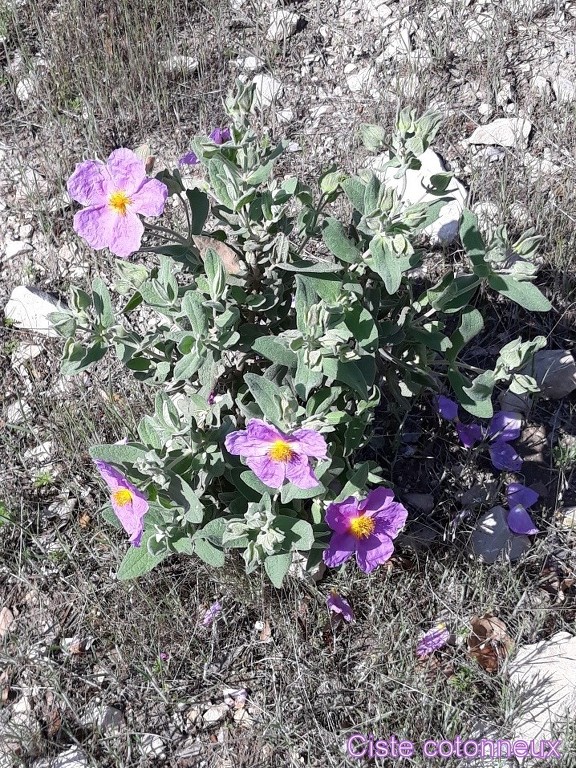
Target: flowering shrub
270 330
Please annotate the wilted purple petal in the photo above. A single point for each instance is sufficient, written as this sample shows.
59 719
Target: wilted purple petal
220 135
505 426
469 434
337 604
211 614
520 494
434 639
447 408
504 456
520 522
191 158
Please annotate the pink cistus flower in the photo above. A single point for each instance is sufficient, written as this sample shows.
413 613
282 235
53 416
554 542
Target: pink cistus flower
129 504
218 136
116 193
365 528
433 640
275 457
337 604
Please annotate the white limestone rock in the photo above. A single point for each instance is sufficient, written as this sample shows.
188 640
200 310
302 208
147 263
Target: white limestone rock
445 229
28 308
503 132
268 88
283 24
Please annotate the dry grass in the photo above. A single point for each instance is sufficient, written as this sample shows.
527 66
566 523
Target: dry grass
309 687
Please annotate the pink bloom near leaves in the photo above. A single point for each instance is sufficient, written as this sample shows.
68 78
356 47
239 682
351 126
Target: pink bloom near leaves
275 457
364 528
115 194
129 504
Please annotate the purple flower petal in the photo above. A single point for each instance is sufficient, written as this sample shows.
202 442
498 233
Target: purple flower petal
90 184
128 171
337 604
376 500
447 408
469 434
391 519
299 472
259 430
520 522
340 548
339 513
309 442
373 551
211 614
271 473
504 456
505 426
91 224
520 494
220 135
242 444
111 476
150 199
435 638
189 159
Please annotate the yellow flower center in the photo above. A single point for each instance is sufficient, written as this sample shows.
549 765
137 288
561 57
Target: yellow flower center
361 527
280 451
119 201
122 497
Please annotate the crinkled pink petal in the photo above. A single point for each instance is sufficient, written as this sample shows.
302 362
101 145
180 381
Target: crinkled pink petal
150 198
505 426
504 456
520 522
520 494
433 640
271 473
111 476
469 434
94 224
373 551
241 444
390 520
339 514
126 234
259 430
191 158
341 547
308 442
128 171
376 499
90 184
299 472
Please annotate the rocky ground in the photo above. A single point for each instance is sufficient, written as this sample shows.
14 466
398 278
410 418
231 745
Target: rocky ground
84 682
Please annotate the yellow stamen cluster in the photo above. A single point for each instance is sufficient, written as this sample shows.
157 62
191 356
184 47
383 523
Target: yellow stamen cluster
119 201
280 451
122 497
362 526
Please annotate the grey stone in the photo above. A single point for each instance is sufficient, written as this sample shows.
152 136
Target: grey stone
152 746
176 64
14 248
422 501
503 132
564 89
492 539
554 371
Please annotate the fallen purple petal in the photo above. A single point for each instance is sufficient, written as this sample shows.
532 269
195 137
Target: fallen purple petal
337 604
433 640
520 522
211 614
